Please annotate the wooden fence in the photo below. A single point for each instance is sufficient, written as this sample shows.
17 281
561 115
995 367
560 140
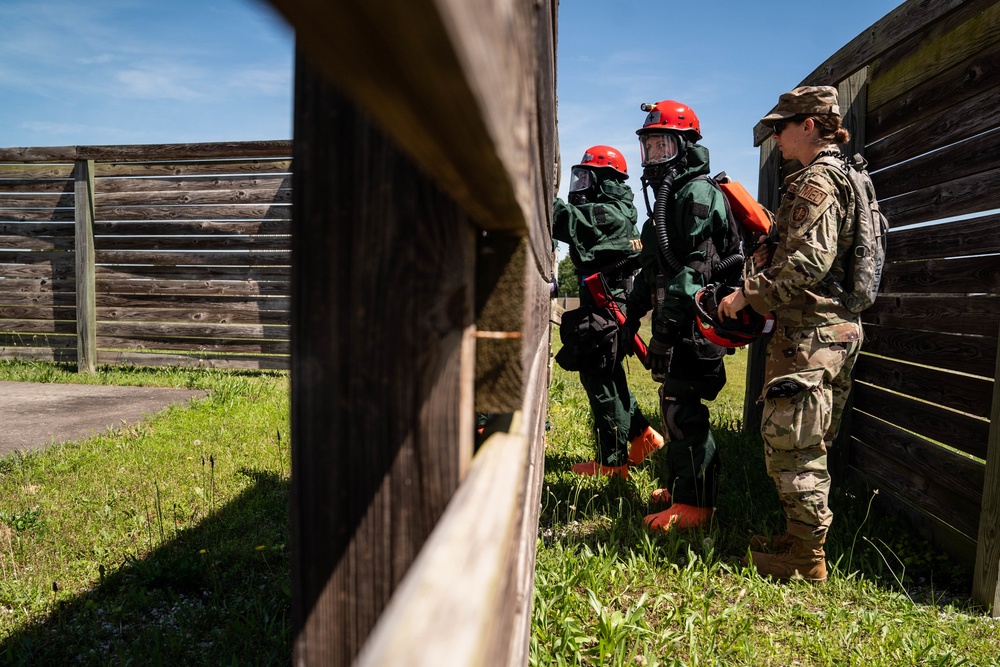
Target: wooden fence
921 89
425 167
147 254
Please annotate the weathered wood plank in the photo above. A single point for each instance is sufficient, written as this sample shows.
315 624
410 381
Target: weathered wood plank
208 345
24 327
942 276
971 194
923 492
986 579
137 243
397 378
499 302
208 288
37 200
54 341
220 196
959 473
229 331
213 212
975 315
252 303
468 599
269 258
205 315
963 354
37 215
959 392
975 236
964 433
195 183
201 167
36 185
228 276
473 126
192 228
34 229
935 56
36 242
9 297
58 261
978 73
960 160
35 171
31 312
961 121
149 152
116 358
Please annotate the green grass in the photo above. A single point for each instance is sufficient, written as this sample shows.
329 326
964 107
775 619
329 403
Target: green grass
165 542
607 592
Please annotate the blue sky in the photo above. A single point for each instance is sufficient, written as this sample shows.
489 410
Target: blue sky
83 72
76 72
729 60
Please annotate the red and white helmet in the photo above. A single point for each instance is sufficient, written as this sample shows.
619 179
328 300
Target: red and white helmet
739 331
604 156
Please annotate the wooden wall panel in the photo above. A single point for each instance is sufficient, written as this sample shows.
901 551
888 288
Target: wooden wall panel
381 417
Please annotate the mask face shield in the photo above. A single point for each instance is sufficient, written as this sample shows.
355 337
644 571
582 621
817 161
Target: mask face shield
658 148
580 179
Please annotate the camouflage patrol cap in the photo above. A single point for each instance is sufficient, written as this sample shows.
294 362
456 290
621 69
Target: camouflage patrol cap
804 101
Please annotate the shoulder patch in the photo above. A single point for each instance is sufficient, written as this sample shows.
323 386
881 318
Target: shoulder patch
799 213
699 210
812 194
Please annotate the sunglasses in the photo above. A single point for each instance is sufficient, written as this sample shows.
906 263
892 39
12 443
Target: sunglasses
779 126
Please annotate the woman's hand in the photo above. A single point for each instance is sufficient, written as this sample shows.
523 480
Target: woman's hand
733 304
762 255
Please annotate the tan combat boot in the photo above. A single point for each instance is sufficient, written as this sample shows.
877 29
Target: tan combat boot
798 559
771 545
643 445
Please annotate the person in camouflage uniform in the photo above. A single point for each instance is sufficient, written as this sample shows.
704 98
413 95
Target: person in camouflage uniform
598 223
816 341
687 229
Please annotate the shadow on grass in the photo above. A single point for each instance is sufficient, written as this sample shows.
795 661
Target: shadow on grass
215 594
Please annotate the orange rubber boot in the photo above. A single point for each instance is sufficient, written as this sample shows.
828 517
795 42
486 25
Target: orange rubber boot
643 445
680 517
660 497
594 468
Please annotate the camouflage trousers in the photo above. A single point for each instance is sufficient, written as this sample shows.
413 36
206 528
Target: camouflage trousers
807 379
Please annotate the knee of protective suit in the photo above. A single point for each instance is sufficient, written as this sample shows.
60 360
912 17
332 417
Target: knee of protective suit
797 411
682 417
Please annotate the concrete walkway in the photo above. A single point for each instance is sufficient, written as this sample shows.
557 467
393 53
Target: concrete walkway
36 414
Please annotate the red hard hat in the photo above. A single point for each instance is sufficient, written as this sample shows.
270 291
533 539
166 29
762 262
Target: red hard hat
745 328
604 156
670 115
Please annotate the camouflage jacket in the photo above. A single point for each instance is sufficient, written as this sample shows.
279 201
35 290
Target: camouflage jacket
814 223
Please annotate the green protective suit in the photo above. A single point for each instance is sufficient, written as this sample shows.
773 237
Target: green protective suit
601 234
696 225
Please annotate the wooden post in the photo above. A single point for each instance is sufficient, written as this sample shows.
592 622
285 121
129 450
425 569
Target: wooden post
986 581
382 397
86 303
